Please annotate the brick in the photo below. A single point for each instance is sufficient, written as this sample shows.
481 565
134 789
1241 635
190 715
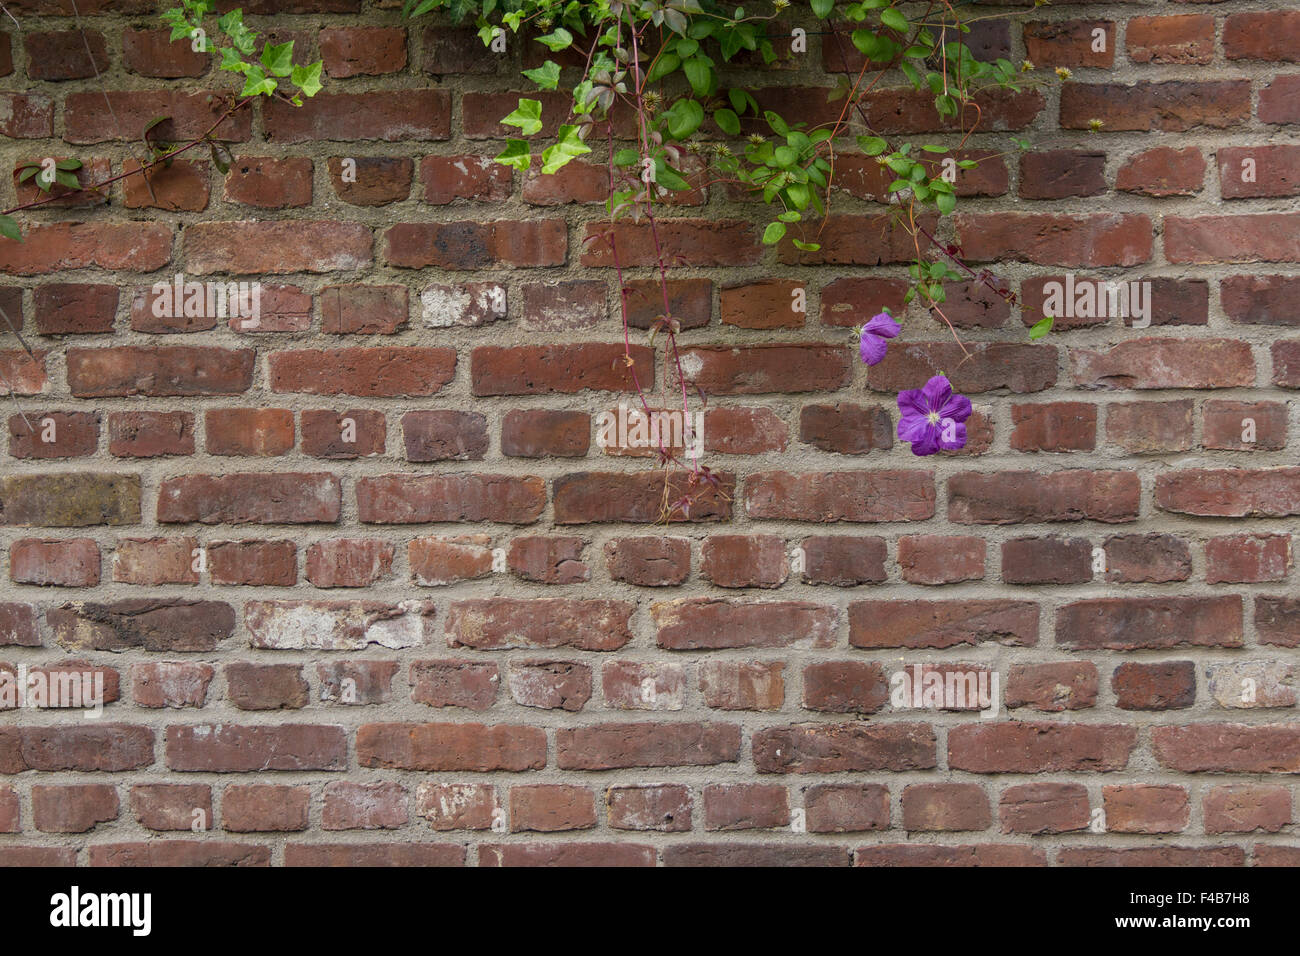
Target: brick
363 806
263 432
710 623
477 245
273 563
1052 687
1172 107
1260 300
1145 808
356 683
1070 43
1258 171
844 687
386 115
269 183
421 499
690 242
1061 174
280 498
151 53
941 559
1277 103
370 180
449 747
543 433
843 561
232 748
1163 171
179 853
264 808
73 809
363 51
69 563
1247 559
840 496
1145 428
744 431
550 685
439 561
449 178
110 748
744 561
353 433
1099 239
550 808
337 625
155 561
548 560
566 854
498 623
733 685
1165 686
942 623
1272 35
1262 237
1010 497
1030 747
1251 684
150 434
458 806
745 807
444 435
266 686
190 113
1147 558
1150 623
641 498
1227 748
367 372
1273 492
1040 808
62 54
349 562
836 748
1180 39
649 561
377 854
1246 809
170 684
846 808
455 683
159 371
154 624
1047 561
665 807
945 807
66 308
558 369
1057 427
180 187
846 429
621 745
172 806
992 365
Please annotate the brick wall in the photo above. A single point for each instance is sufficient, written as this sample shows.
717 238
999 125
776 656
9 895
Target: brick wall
362 586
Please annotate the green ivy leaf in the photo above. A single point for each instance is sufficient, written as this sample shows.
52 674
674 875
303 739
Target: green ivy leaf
546 76
569 146
872 145
773 233
9 228
257 83
1041 328
823 8
806 246
515 155
528 117
278 58
307 78
663 66
894 20
559 39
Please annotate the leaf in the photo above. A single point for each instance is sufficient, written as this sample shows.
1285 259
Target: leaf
627 157
569 146
546 76
28 171
699 71
1041 328
9 228
669 178
684 118
278 58
148 127
68 164
559 39
946 202
221 157
307 78
872 145
257 83
67 179
515 155
663 66
528 117
773 233
823 8
727 121
806 246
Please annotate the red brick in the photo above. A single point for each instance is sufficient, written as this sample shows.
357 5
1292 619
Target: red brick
1171 107
991 366
614 746
1227 425
844 687
59 247
1247 559
354 433
269 183
1262 237
363 51
421 499
649 561
159 371
558 369
69 563
155 561
264 807
843 561
477 245
1145 428
641 498
356 683
550 685
74 309
498 623
390 115
1246 809
447 747
665 807
1047 560
349 562
167 684
154 624
1053 687
941 624
1181 39
190 113
248 431
1030 747
549 808
448 178
1163 171
363 806
1230 492
172 806
1150 622
232 748
1169 685
1272 35
1145 808
1271 171
455 683
941 559
1070 43
1039 808
276 247
266 686
280 498
180 187
1056 426
945 806
151 53
73 809
273 563
1010 497
458 806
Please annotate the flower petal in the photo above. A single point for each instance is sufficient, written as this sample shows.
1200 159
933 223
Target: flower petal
957 408
913 428
871 348
952 435
882 325
911 401
928 443
937 391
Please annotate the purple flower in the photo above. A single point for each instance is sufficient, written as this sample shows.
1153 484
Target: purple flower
932 417
872 344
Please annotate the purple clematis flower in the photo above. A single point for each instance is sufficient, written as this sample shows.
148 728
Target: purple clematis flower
933 417
872 344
